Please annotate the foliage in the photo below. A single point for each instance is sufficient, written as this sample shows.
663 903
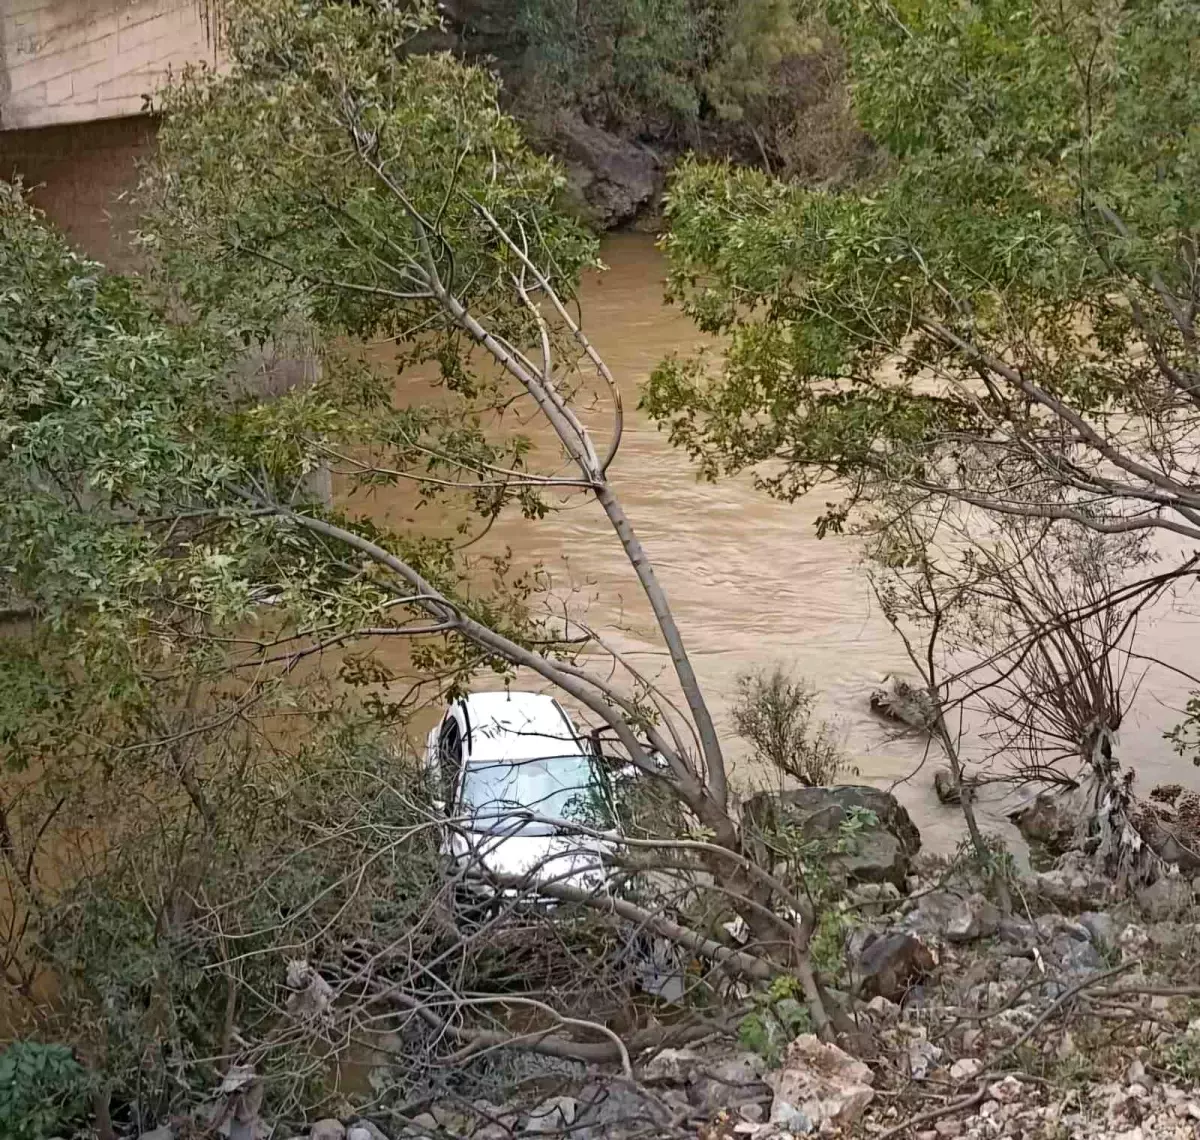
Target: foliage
43 1089
829 941
1186 735
776 715
158 751
1181 1058
747 77
1035 229
778 1017
210 741
1006 314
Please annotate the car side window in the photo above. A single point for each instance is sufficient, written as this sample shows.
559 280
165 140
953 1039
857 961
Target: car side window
450 758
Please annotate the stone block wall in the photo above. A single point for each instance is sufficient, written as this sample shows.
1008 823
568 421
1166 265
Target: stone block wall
71 61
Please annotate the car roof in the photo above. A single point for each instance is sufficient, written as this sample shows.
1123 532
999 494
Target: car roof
517 726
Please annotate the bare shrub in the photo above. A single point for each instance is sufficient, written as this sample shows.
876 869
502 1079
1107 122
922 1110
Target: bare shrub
775 713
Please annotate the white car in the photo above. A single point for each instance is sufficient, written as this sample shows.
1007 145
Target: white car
512 773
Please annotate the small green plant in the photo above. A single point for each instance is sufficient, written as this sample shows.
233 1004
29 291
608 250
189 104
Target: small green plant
858 819
42 1089
779 1016
1182 1057
827 948
1075 1071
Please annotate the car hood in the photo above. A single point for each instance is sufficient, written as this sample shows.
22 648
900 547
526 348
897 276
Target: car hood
574 860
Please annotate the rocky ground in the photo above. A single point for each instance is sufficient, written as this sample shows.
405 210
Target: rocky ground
1070 1016
1044 1005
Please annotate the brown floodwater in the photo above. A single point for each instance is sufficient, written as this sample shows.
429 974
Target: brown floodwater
752 585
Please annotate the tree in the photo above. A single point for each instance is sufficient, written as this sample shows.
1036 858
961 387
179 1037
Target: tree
169 544
1005 316
1007 313
1026 629
186 811
333 179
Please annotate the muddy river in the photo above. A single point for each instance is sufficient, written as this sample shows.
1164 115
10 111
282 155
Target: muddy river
752 585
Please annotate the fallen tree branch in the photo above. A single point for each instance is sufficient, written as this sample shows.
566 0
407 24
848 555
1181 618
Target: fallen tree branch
737 960
937 1113
1058 1004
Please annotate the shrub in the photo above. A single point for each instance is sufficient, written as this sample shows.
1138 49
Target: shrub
42 1088
775 714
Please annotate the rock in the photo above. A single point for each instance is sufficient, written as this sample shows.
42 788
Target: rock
1077 957
791 1120
891 963
1072 884
824 1083
1137 1076
944 915
1017 932
901 700
612 179
1048 821
1052 926
1133 941
948 1129
423 1123
1006 1091
330 1129
1166 898
673 1066
874 898
359 1132
974 917
728 1083
883 1008
876 853
1101 927
965 1068
163 1132
922 1057
449 1119
1171 937
373 1131
607 1111
945 787
552 1115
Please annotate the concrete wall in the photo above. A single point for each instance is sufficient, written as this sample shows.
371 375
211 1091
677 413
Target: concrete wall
78 174
71 61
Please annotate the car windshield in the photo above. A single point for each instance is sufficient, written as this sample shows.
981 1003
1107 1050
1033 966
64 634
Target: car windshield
562 787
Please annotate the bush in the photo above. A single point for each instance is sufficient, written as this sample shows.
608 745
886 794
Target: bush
42 1088
775 714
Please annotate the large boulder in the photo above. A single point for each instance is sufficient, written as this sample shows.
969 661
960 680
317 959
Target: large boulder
872 853
612 179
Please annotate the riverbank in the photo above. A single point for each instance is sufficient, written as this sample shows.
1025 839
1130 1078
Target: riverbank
1046 1023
